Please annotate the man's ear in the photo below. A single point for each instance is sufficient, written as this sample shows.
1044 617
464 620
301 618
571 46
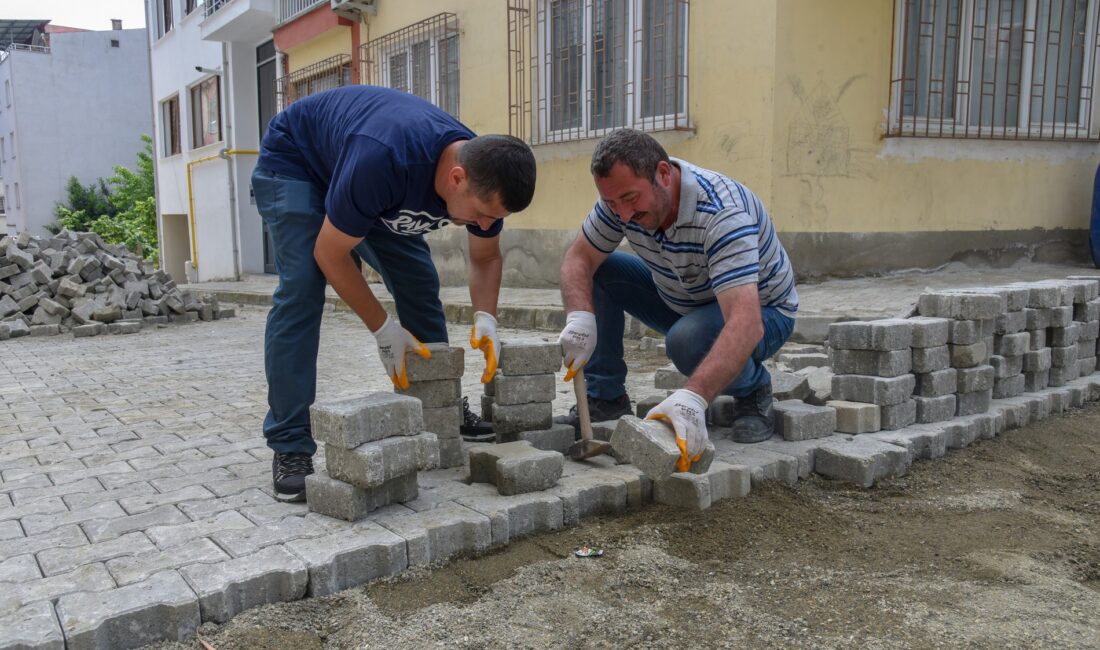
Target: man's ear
457 175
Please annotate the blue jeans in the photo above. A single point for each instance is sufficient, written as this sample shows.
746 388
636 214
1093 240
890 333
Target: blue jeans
294 210
624 284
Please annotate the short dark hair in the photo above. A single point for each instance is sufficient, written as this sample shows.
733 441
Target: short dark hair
500 165
637 150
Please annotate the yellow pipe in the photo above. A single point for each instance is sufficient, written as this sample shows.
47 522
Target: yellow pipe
224 153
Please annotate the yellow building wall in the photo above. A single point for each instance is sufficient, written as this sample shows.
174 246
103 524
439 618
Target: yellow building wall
835 172
334 41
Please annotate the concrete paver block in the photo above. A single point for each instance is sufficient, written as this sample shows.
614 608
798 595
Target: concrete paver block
962 306
965 332
1061 337
1037 360
787 385
1061 317
228 588
1036 381
885 363
1063 356
1038 319
926 360
668 378
60 560
510 420
860 460
446 362
136 568
445 421
373 463
516 467
334 498
524 389
162 608
885 334
529 357
487 407
435 393
856 417
440 533
517 516
1037 339
934 409
33 627
348 423
639 487
1010 322
350 557
651 447
974 402
558 437
1012 345
1008 386
930 332
1062 375
936 384
796 420
968 356
898 416
1086 366
975 378
923 442
873 390
800 360
427 451
1006 366
85 578
764 465
451 453
643 406
590 494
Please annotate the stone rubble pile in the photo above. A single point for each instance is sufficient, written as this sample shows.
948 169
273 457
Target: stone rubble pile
75 282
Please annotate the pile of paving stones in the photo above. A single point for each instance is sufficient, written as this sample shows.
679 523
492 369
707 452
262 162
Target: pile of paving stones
437 383
519 399
75 282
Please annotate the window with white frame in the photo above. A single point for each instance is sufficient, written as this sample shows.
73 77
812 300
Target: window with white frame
995 69
421 59
163 9
605 64
206 123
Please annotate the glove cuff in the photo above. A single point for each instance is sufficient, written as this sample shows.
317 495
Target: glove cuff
581 315
484 314
696 396
386 323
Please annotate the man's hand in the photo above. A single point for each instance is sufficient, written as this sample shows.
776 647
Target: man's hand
484 338
393 342
685 412
577 340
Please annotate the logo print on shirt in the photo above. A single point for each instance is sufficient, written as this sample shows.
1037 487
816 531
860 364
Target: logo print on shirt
408 222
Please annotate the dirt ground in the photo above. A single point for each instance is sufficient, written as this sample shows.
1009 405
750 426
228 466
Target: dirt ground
995 546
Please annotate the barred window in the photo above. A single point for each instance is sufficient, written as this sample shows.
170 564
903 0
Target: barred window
326 74
995 69
421 59
596 65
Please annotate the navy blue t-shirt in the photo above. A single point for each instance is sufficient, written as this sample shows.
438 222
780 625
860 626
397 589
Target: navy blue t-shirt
373 151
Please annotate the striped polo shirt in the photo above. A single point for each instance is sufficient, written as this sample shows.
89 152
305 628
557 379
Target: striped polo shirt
722 238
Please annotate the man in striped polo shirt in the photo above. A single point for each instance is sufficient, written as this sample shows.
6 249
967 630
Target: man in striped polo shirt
710 273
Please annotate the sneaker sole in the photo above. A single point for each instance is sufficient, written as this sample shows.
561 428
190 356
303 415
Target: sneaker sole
486 437
297 497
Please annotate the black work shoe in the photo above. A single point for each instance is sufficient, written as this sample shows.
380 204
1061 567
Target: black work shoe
288 473
473 428
753 418
599 410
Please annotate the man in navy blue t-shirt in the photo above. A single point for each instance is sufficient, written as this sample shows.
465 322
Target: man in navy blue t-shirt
371 170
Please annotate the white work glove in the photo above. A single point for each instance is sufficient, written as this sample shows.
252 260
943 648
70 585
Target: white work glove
577 340
484 338
684 411
393 342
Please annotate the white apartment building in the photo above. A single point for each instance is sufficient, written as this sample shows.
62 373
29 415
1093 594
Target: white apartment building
213 72
72 103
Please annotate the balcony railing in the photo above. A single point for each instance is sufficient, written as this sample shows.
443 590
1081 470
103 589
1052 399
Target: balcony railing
210 6
291 9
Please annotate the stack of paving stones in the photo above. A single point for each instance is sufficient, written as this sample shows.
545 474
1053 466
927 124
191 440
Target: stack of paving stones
1086 314
972 315
374 446
523 395
872 362
75 282
437 383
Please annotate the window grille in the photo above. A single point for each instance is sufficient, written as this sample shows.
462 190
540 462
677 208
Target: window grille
421 59
579 68
1000 69
326 74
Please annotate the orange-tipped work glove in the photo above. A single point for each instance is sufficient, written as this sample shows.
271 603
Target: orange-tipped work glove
484 338
393 342
577 341
686 412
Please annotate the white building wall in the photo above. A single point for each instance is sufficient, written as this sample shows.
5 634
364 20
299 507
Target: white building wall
77 110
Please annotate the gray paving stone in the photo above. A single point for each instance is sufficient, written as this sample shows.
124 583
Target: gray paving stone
1008 387
351 557
1062 375
668 378
968 356
90 577
171 536
38 524
371 464
923 441
885 363
643 406
434 394
590 494
796 420
348 423
1061 317
143 503
59 560
929 332
515 467
511 420
873 390
925 360
934 409
1006 366
228 588
529 357
974 379
1012 345
21 568
885 334
1063 357
446 362
763 465
204 508
25 496
487 402
452 452
936 384
787 385
969 306
973 402
651 447
427 451
898 416
12 541
1010 322
800 360
525 389
444 421
441 533
47 506
248 541
639 487
960 433
163 608
514 517
100 530
860 460
1086 366
345 501
34 627
558 437
966 332
128 570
